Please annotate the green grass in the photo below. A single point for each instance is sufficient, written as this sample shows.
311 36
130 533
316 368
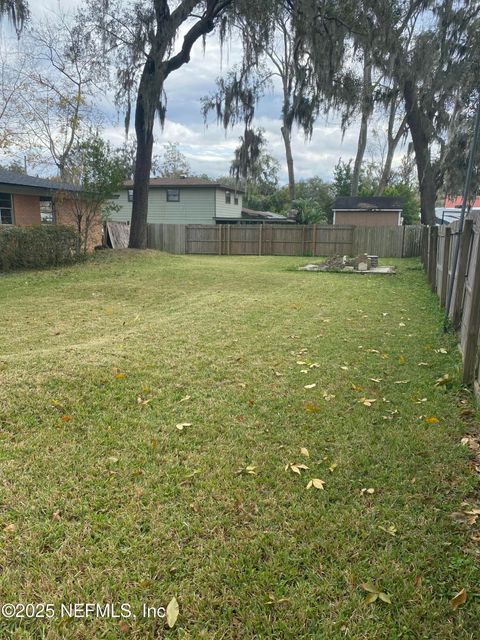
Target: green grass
117 505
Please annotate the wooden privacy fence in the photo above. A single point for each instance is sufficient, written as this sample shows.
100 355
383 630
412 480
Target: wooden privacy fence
285 240
438 249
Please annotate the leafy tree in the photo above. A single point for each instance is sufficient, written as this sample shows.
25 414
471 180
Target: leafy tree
342 178
98 174
126 155
411 202
140 38
173 164
430 49
60 67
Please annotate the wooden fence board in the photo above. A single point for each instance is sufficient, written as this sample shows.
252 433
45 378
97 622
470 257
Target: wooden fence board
285 240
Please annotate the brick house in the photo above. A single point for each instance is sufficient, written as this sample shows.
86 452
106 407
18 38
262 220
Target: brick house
27 201
377 211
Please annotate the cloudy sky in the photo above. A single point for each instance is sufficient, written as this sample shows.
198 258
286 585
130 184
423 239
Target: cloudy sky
209 149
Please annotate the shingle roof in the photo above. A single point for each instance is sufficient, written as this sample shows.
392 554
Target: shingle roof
368 204
21 180
184 182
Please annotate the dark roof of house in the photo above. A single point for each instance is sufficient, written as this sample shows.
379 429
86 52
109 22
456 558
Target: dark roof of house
374 203
264 215
173 183
21 180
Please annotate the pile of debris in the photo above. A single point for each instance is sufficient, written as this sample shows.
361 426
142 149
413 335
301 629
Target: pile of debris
339 263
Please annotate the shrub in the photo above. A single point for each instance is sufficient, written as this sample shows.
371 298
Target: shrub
36 247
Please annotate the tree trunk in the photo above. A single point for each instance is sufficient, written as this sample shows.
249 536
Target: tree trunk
366 112
287 139
144 121
425 170
387 167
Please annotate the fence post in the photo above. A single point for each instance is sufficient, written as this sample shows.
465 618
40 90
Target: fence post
424 246
470 347
229 242
219 234
260 238
432 257
445 263
314 240
459 285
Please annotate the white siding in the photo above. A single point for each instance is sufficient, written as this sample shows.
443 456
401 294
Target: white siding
196 206
224 210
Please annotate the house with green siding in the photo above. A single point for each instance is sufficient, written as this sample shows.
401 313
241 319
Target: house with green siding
184 201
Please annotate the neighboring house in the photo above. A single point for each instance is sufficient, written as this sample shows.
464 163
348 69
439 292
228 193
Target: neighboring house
452 209
184 201
378 211
250 216
26 201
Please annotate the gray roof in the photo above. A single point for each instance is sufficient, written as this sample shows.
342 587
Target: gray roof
266 215
21 180
185 182
373 203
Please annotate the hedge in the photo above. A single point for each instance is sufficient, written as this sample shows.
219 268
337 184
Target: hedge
38 246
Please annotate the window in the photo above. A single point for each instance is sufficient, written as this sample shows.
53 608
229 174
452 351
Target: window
130 195
235 199
173 195
6 215
47 215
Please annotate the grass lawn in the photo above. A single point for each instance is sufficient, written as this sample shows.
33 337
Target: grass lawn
105 500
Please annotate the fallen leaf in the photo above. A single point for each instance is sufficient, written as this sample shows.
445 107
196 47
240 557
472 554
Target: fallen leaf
365 490
332 467
376 379
172 612
316 483
112 459
296 467
401 382
391 530
423 364
441 350
56 515
185 399
367 402
142 401
310 386
249 470
344 368
10 528
181 425
119 376
154 443
444 380
459 599
66 418
304 452
465 517
401 360
328 396
432 420
357 387
123 626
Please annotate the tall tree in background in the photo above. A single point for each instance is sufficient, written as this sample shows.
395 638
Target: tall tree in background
60 68
142 35
429 49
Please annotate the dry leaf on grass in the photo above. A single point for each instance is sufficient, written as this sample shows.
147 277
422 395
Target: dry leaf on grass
172 612
367 402
295 467
316 483
305 452
10 528
181 425
312 407
459 599
249 470
369 491
310 386
375 594
432 420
